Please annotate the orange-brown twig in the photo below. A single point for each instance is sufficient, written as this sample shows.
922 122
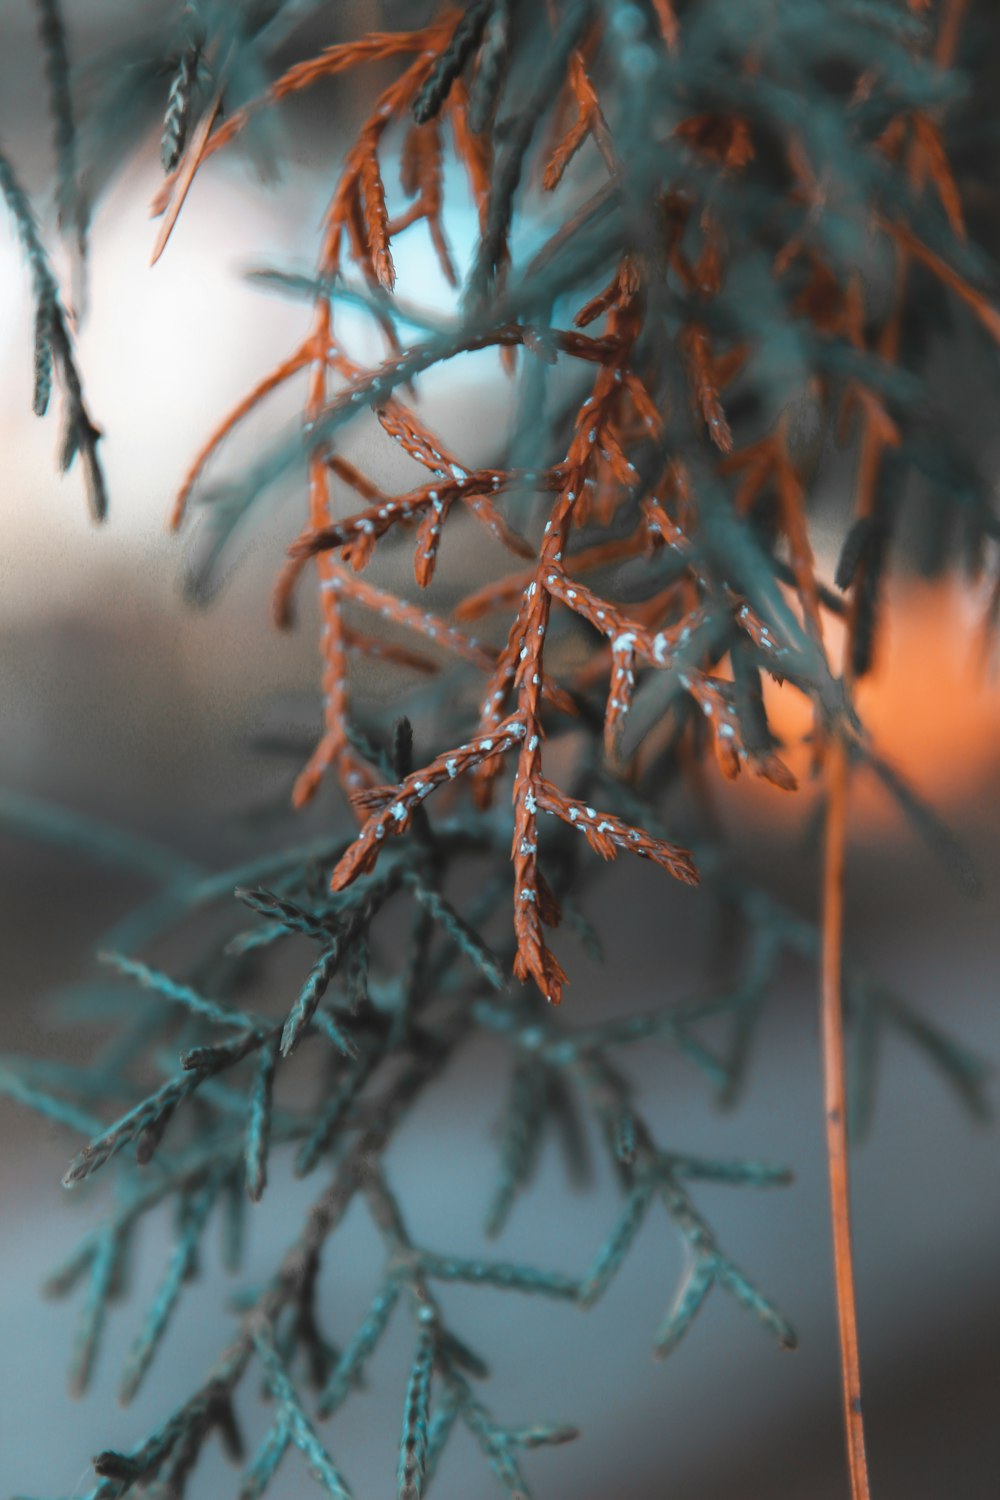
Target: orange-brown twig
247 404
184 176
334 748
984 310
879 433
835 1106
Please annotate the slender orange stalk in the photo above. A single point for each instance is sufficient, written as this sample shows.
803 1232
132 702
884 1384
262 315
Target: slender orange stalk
834 1082
835 1106
947 40
181 182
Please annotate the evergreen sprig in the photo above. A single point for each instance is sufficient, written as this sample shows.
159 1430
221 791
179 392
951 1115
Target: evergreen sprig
54 353
748 205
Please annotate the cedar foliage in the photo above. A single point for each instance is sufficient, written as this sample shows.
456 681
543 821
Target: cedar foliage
716 244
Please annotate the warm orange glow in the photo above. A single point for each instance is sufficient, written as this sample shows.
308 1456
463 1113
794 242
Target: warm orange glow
931 705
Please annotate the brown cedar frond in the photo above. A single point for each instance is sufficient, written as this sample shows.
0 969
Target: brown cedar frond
376 218
589 121
695 343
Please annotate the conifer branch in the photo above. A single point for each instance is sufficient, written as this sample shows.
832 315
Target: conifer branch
690 323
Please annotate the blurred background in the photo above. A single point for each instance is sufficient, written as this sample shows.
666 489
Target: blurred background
123 702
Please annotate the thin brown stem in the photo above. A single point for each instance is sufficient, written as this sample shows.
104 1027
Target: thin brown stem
185 175
834 1082
947 39
834 1094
